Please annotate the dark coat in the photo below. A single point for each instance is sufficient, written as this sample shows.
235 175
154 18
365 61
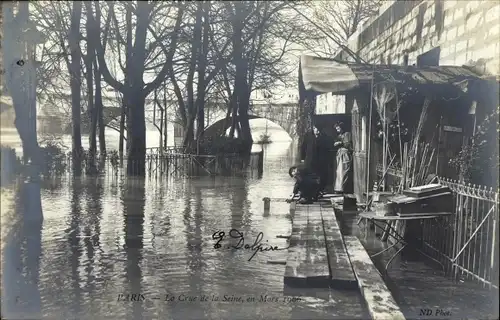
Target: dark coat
307 183
323 154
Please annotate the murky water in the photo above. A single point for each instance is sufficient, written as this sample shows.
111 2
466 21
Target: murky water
104 237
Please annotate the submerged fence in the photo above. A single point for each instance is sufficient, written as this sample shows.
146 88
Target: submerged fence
172 161
177 164
467 242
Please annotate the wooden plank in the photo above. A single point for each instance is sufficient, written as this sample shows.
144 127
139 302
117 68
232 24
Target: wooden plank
299 228
379 300
341 273
295 272
318 272
295 269
307 264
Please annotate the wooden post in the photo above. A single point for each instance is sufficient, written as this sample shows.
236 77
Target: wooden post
260 164
267 205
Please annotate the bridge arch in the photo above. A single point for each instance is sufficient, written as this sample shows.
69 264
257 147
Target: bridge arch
219 127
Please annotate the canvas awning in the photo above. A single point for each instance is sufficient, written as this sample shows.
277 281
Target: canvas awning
323 75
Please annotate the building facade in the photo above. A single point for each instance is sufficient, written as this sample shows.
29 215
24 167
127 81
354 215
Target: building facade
432 32
420 33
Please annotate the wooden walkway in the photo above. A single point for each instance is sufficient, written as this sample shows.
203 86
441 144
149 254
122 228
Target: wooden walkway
320 257
317 254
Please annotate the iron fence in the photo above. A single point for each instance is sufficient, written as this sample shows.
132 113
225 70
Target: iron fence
466 242
174 164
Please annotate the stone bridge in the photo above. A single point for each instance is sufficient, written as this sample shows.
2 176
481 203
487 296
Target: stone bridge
283 114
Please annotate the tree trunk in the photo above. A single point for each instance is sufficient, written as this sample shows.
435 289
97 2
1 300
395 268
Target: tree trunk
21 79
99 110
75 80
234 117
136 142
135 98
246 133
195 51
200 98
92 112
228 118
240 82
165 119
122 129
91 107
188 132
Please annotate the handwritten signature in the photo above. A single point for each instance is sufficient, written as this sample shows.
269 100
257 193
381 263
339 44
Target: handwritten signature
256 247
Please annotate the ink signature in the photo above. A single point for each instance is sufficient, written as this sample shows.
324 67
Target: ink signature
256 247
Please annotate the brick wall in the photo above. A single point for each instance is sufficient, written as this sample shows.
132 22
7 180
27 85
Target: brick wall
467 32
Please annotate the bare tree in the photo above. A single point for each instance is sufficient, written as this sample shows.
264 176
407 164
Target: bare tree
259 60
133 87
340 19
75 82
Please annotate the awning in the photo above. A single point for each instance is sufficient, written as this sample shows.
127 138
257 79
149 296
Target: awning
323 75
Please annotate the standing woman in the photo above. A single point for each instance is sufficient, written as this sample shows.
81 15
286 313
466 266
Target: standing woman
344 159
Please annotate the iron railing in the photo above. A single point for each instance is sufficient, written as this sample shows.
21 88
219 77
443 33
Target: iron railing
467 242
175 164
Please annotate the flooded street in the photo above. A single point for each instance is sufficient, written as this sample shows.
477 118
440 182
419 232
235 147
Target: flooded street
105 238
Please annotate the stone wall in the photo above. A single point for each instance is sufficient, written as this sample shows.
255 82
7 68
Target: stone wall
467 32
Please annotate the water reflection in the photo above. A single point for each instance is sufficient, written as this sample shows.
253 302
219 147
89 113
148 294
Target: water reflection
21 250
103 237
134 200
73 232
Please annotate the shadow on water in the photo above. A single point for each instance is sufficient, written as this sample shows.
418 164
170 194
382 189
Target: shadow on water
73 232
133 197
102 237
21 266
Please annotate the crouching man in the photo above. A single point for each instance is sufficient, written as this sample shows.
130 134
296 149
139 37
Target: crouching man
307 185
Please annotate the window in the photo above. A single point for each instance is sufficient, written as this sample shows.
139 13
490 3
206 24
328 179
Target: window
430 58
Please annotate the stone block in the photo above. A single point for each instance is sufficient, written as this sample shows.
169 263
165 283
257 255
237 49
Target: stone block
448 18
472 6
451 34
493 14
460 30
461 46
459 13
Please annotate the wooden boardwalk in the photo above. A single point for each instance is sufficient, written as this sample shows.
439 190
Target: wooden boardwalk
319 256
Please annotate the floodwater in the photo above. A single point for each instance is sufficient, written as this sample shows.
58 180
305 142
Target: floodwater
105 238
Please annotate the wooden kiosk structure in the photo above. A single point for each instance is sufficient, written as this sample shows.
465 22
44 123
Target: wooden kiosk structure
448 91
